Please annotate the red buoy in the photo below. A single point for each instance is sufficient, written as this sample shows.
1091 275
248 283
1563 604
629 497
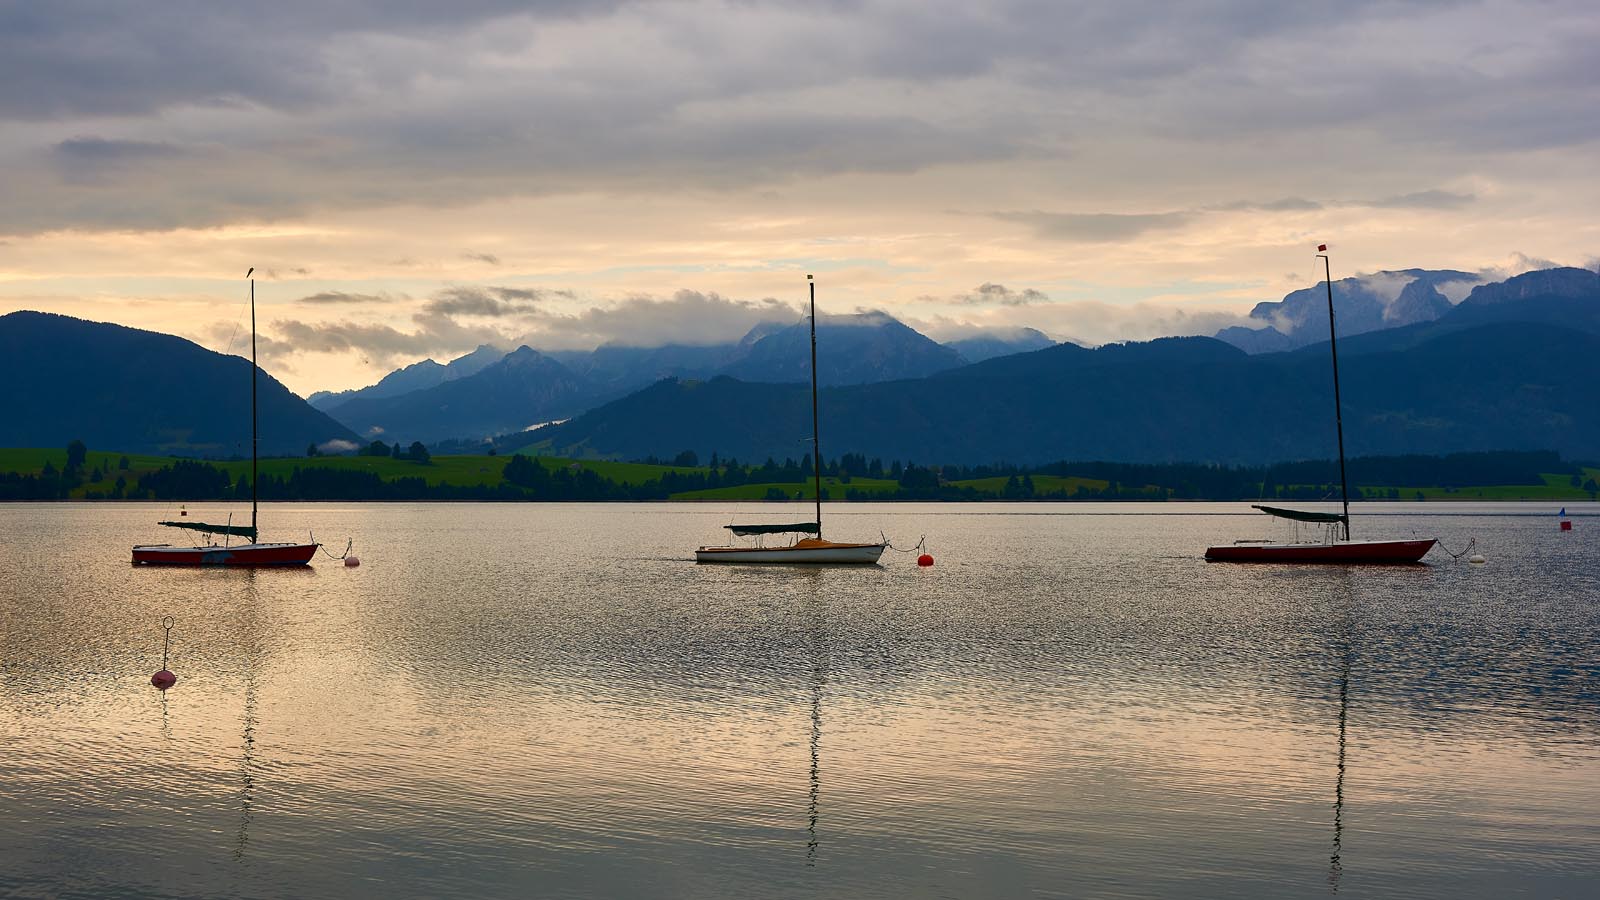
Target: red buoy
1566 525
163 679
924 560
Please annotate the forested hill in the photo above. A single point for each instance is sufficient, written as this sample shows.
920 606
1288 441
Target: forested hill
141 392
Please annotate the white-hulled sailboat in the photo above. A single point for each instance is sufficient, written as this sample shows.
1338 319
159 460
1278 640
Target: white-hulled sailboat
227 553
812 549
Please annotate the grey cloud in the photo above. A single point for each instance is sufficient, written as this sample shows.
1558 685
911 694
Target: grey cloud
78 57
1286 204
341 297
1107 227
991 294
95 150
364 104
1087 322
688 317
1094 227
94 158
1517 264
493 302
339 337
489 258
1433 199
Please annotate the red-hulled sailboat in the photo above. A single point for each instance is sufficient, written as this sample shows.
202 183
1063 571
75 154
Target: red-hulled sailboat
1332 548
227 553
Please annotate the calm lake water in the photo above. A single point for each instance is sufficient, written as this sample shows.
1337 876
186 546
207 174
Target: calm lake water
555 701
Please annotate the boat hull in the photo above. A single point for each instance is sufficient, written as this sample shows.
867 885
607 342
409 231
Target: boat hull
247 555
1350 552
803 552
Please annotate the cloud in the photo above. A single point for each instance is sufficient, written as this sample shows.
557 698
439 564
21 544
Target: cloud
1094 227
338 445
459 319
1433 199
95 161
489 302
1285 204
1108 227
1087 322
382 341
363 104
489 258
342 298
688 317
104 151
1516 264
991 294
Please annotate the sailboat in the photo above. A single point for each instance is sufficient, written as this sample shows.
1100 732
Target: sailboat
1331 549
805 549
228 553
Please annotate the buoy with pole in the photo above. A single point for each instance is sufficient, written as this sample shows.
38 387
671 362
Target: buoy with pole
164 678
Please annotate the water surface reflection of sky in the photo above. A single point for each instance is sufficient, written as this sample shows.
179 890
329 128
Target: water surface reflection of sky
508 700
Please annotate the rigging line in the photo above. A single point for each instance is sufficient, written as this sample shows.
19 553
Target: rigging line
920 545
347 546
1453 555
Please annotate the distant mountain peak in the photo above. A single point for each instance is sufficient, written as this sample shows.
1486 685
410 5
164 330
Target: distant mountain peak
1370 302
761 330
990 343
1565 281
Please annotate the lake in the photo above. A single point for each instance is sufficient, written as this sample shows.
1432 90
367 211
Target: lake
515 700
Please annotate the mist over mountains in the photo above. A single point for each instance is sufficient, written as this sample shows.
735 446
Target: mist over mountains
1388 299
1502 368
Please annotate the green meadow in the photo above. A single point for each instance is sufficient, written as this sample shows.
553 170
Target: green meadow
1555 487
833 486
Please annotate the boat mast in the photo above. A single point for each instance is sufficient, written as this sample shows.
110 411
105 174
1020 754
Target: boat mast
1338 414
255 438
816 439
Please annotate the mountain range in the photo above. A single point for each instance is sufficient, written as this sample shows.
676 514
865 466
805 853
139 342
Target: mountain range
415 377
1503 368
487 392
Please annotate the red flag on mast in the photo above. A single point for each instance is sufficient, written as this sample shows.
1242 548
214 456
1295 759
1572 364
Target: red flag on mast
1322 248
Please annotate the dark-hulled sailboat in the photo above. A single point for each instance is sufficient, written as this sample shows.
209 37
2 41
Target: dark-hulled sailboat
811 549
1332 548
227 553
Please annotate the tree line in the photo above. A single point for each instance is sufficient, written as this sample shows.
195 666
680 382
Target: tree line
525 478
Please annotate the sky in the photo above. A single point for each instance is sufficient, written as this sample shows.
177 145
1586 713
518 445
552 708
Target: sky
411 179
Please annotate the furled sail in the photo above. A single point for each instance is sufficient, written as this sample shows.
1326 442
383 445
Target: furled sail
239 530
747 530
1300 515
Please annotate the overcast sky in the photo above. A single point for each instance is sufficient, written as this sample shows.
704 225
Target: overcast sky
412 178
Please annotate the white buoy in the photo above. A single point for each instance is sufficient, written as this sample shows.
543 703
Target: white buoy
1477 559
350 562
